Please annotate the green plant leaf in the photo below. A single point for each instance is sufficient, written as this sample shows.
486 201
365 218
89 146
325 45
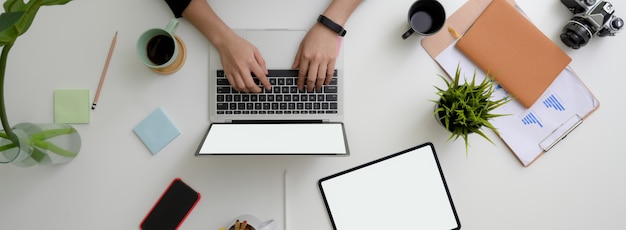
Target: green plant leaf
7 20
4 135
54 148
42 136
19 5
18 17
7 147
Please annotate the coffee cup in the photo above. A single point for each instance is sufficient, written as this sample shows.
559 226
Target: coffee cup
162 50
426 17
254 223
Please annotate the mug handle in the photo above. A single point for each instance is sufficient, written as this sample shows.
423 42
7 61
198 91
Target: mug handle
407 34
268 225
172 25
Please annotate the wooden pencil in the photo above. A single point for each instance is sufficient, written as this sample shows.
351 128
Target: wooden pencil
104 71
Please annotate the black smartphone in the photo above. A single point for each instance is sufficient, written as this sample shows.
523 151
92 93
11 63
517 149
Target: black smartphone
172 208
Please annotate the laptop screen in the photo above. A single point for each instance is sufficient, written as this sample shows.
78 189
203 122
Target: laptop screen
274 139
405 190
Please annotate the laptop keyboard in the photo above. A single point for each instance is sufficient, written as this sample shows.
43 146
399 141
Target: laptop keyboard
283 98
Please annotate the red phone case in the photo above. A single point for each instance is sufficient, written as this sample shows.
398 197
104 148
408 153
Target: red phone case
176 180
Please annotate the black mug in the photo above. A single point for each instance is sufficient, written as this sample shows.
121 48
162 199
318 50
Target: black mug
426 17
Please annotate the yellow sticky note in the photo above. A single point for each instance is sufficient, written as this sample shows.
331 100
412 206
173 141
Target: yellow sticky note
71 106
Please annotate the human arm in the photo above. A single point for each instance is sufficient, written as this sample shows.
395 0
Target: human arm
319 49
239 57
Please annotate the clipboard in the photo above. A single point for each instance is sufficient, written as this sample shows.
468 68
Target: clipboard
526 148
405 190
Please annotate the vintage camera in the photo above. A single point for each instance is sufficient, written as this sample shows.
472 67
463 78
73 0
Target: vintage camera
591 17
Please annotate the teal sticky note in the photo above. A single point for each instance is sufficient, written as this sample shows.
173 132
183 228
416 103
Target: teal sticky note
71 106
156 131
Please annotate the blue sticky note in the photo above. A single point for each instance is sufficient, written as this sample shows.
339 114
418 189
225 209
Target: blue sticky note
156 131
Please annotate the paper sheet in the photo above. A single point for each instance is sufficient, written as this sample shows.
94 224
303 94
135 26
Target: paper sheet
524 130
156 131
71 106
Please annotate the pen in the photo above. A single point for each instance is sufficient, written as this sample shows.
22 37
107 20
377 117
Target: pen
104 72
453 32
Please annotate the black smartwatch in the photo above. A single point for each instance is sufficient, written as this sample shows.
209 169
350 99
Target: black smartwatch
331 25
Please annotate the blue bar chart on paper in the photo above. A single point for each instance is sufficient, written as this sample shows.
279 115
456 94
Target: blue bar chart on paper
531 119
553 102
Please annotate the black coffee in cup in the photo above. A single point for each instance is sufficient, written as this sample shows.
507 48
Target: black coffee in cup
160 49
421 21
426 17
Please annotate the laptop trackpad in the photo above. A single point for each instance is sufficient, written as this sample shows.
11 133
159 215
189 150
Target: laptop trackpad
274 139
278 47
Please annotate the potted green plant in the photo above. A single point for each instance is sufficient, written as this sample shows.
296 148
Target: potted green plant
28 144
465 108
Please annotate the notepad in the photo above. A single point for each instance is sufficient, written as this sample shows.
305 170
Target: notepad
506 45
156 131
71 106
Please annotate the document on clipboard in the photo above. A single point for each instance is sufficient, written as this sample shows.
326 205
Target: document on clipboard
528 132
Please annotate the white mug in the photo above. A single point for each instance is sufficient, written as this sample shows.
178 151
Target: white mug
254 222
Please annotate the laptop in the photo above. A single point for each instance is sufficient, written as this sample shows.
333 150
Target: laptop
405 190
283 121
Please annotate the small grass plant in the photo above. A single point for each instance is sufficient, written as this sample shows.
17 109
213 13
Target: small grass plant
465 108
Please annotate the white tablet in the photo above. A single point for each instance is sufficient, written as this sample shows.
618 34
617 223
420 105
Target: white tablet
406 190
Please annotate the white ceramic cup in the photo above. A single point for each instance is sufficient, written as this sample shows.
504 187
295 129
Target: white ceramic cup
254 222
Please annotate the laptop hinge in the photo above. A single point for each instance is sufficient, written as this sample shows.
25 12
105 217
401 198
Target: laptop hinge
276 121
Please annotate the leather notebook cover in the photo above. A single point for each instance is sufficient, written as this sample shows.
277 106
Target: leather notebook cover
505 44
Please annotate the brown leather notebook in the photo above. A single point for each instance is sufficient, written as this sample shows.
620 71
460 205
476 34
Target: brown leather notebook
513 51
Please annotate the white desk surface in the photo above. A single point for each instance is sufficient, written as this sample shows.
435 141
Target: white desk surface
115 180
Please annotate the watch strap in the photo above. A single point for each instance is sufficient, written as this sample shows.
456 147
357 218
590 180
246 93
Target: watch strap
331 25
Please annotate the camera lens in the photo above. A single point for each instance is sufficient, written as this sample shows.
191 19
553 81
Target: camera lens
576 33
617 24
590 2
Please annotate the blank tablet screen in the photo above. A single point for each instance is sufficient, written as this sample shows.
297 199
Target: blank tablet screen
405 190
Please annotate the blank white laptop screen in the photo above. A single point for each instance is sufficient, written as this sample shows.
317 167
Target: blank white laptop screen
274 139
405 190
